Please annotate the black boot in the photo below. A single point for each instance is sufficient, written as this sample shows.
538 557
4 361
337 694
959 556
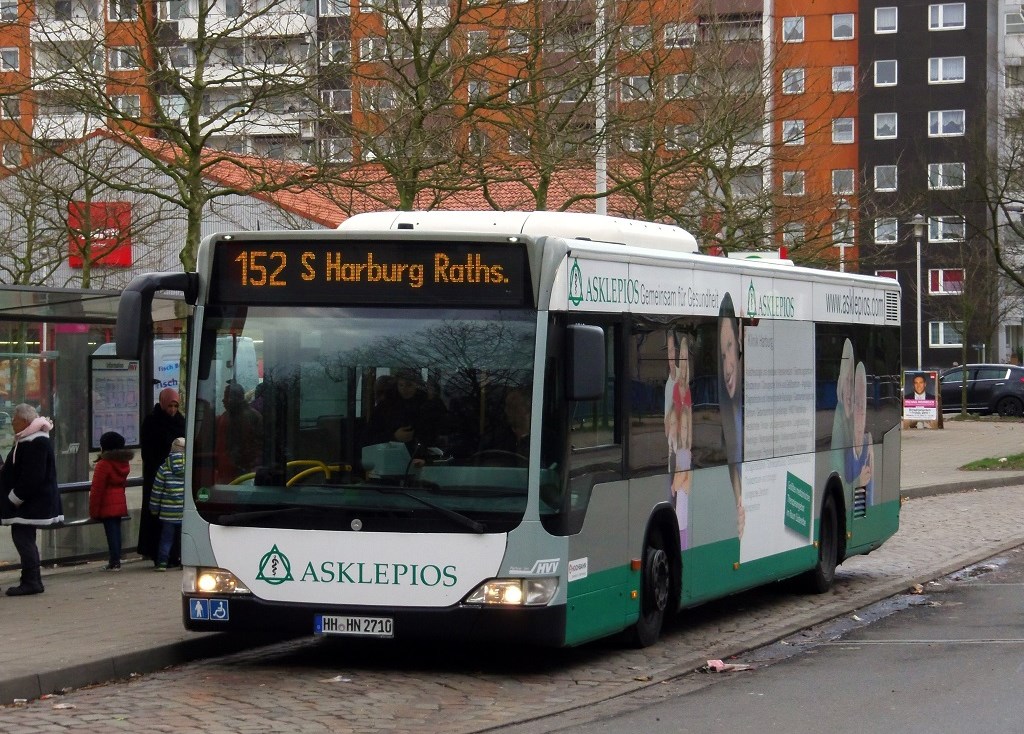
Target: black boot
31 583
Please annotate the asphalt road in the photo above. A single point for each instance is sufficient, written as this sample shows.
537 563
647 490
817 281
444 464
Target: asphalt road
947 660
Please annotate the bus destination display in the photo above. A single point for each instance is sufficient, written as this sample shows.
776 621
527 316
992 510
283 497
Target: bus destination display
361 272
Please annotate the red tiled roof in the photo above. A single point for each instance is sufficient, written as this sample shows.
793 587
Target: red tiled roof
368 187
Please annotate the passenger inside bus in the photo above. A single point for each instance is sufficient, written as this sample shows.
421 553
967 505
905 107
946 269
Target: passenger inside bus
407 413
239 435
511 437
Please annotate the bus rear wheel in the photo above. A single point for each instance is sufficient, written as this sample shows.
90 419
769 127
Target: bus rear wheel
819 579
655 587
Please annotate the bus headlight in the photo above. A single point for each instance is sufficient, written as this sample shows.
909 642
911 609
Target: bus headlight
211 581
515 592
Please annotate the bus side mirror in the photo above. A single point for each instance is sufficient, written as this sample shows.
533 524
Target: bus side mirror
128 330
585 378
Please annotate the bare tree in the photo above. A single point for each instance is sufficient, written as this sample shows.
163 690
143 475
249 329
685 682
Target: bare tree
216 79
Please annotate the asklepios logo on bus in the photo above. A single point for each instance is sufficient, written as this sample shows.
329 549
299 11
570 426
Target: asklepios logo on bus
275 568
335 567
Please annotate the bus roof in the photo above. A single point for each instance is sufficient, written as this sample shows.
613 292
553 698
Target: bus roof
568 225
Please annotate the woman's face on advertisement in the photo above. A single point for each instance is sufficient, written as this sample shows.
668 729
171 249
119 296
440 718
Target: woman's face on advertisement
729 347
860 408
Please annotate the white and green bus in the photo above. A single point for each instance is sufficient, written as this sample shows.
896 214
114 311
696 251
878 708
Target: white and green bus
540 427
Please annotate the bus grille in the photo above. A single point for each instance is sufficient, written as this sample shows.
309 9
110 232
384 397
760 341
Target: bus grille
892 306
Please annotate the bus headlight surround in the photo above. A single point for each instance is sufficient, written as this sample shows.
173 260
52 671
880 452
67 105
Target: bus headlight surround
211 581
528 592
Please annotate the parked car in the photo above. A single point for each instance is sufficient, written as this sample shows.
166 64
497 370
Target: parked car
991 388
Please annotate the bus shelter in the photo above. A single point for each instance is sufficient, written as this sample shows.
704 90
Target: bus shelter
49 342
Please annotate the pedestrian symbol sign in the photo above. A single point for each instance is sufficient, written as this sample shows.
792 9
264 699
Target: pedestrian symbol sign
215 610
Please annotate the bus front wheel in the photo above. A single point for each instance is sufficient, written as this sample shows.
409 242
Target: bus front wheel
655 587
819 579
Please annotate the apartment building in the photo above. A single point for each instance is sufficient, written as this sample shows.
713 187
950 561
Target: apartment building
876 110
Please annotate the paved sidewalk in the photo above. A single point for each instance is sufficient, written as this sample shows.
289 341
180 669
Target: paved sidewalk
91 626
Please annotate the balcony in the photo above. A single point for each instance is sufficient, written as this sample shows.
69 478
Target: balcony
281 21
64 126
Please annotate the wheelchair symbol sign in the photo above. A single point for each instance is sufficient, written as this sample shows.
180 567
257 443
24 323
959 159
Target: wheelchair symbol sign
215 610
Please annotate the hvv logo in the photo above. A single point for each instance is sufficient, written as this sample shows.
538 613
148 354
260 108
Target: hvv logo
548 567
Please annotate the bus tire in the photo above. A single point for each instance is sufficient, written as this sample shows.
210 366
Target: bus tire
655 587
819 579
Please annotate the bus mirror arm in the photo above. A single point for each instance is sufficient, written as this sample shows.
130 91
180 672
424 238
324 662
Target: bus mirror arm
585 374
135 307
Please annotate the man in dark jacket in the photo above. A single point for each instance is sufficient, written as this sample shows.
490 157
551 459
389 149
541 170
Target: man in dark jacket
30 497
164 424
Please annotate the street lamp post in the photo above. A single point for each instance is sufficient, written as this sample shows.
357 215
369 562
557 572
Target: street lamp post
919 225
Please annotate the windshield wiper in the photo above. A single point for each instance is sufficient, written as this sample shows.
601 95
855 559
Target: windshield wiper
457 517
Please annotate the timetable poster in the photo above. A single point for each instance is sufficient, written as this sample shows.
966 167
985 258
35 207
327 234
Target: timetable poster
114 403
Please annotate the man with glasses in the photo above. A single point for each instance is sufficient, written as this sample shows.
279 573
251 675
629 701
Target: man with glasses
163 424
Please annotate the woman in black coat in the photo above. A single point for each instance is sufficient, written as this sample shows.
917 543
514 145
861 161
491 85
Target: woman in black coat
30 497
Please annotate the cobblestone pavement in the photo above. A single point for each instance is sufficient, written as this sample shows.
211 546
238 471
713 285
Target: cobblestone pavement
330 686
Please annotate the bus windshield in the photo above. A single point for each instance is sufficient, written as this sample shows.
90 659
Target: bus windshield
386 419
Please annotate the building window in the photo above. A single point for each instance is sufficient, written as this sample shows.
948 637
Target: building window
678 86
10 107
336 150
518 42
477 42
637 37
842 181
885 125
12 155
894 274
372 48
842 79
478 142
946 229
885 178
128 105
842 26
1014 23
842 232
122 10
8 10
378 98
794 234
635 88
680 35
946 123
336 100
518 144
518 90
793 29
680 137
947 16
842 130
886 20
123 58
334 7
335 52
945 333
793 81
885 73
886 231
1014 75
793 183
477 91
945 281
9 59
946 70
793 132
947 175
